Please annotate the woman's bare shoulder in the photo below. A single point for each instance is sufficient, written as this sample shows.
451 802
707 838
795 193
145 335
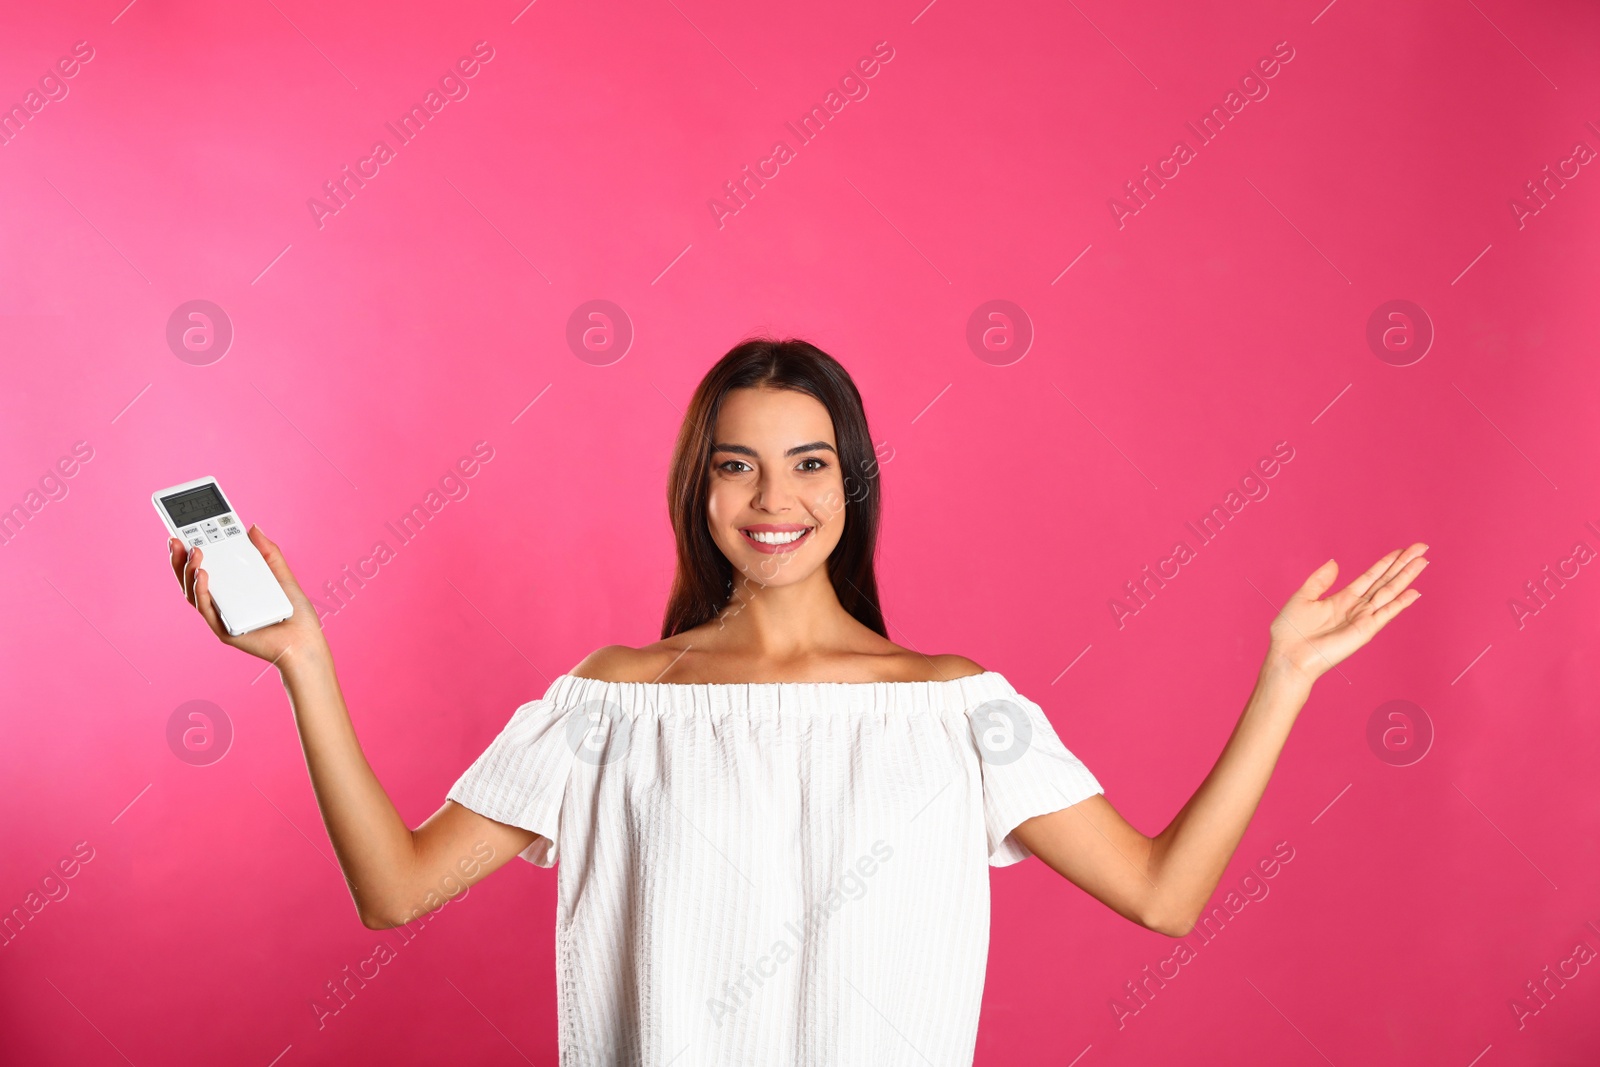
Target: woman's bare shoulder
950 666
907 665
621 663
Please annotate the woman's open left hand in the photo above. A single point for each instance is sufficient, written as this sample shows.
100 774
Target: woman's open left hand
1312 635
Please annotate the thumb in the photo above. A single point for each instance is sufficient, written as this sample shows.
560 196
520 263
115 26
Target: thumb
1319 581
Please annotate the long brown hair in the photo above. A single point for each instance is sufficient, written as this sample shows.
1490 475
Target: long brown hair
703 583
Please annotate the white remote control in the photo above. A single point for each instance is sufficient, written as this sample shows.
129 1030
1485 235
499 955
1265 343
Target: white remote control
243 587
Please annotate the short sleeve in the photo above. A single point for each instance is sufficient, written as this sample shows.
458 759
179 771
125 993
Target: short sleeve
1027 771
521 778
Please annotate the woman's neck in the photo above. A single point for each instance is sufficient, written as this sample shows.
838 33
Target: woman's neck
782 623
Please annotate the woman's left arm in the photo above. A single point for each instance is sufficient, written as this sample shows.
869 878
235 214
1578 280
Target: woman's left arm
1163 882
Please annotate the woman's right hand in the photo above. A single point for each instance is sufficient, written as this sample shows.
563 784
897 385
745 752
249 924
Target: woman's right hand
299 633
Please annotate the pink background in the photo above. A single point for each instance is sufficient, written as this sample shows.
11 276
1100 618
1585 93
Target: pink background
1227 315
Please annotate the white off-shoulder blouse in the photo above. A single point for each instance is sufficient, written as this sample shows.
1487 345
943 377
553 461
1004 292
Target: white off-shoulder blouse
773 873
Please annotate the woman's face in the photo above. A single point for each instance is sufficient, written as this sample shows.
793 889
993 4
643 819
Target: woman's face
776 501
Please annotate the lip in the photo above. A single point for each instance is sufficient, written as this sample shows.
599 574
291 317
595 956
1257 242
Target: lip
781 527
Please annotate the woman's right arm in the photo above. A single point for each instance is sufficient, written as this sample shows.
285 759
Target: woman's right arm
395 874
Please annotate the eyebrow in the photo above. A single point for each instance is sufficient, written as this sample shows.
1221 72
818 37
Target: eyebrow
743 450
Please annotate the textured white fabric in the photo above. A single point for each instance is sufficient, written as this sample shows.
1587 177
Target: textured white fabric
779 873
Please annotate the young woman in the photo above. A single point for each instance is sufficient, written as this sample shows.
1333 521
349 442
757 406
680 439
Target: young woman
775 824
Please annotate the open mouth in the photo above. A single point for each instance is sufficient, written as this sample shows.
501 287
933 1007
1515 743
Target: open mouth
775 538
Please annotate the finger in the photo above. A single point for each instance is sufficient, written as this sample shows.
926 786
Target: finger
274 556
1319 581
208 609
177 553
1394 607
1359 586
1396 568
1401 561
1393 587
189 570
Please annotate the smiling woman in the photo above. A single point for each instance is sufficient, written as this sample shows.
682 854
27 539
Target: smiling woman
762 451
708 796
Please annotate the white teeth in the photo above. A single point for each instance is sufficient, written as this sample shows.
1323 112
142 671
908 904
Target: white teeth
777 538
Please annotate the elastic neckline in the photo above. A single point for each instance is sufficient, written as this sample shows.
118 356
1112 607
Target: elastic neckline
759 685
762 699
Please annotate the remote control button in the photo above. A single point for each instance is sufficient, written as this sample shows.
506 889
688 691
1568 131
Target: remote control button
226 520
234 531
197 540
190 531
213 535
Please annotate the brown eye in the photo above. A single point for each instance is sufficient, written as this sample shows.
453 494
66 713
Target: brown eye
820 464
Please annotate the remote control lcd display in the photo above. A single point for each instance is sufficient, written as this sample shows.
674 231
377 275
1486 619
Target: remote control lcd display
194 505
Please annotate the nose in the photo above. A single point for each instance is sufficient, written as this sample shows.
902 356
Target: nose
772 492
